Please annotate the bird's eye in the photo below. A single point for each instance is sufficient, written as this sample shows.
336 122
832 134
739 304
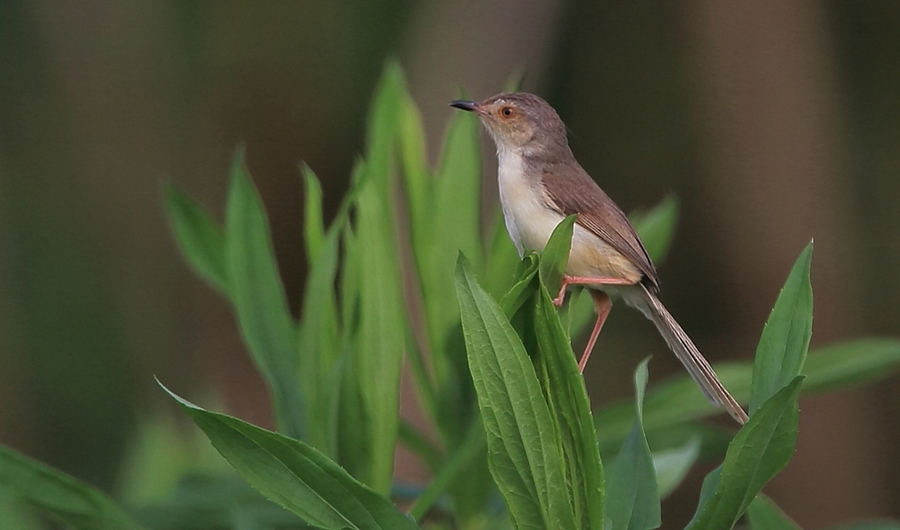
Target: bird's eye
506 112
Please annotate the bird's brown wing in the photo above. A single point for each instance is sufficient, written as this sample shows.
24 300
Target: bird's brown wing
574 192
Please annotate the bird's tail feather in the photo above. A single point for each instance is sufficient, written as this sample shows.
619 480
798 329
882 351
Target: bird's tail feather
697 366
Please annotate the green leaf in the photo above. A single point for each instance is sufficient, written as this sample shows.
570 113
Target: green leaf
417 177
383 326
850 363
632 501
522 453
678 400
673 465
381 333
763 514
60 495
319 346
200 239
555 255
296 476
384 118
314 223
760 450
259 300
522 289
565 393
785 339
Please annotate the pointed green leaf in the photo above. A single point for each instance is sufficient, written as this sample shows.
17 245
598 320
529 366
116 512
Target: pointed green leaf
417 177
384 117
760 450
785 339
314 223
296 476
200 239
259 299
632 500
522 453
522 289
60 495
555 255
763 514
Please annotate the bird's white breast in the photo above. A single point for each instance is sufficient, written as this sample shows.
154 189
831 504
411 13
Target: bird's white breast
529 219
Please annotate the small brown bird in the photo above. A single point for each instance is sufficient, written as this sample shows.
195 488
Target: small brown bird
541 184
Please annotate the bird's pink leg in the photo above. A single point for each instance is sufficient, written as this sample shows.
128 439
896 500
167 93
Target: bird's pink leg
602 304
586 280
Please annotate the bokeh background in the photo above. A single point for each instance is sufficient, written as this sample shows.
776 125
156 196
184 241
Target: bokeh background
772 121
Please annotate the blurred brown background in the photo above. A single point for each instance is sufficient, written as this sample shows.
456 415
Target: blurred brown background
774 122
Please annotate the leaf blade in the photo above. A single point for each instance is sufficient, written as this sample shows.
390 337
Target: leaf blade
761 448
200 239
763 514
785 339
259 300
633 500
64 497
296 476
523 457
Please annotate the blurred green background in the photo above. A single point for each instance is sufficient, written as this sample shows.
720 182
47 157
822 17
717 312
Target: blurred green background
773 122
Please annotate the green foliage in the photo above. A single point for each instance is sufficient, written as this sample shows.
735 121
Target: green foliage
633 499
785 339
61 496
296 476
759 451
525 460
402 275
762 514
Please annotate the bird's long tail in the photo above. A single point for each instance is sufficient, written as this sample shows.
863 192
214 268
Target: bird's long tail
678 341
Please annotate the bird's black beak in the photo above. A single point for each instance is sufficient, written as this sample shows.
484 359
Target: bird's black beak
464 105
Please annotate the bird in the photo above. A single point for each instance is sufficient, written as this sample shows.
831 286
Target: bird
540 184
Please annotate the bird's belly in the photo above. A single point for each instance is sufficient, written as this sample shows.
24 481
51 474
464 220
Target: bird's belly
530 224
593 257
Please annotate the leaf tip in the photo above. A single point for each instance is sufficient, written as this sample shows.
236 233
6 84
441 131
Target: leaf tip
180 400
